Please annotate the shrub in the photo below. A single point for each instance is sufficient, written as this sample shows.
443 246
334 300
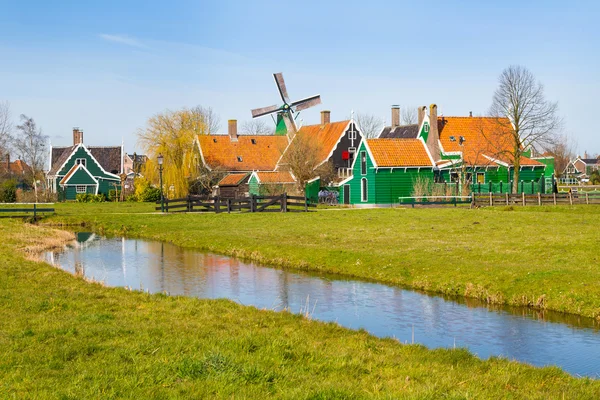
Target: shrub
90 198
131 198
150 194
113 195
8 192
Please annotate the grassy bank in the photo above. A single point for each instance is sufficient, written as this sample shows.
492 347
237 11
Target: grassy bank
62 337
544 257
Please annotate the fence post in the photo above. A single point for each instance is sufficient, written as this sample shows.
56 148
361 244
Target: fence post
570 198
500 187
34 212
252 203
554 196
491 198
479 184
521 185
490 186
189 201
523 195
305 203
539 199
587 198
217 205
532 189
507 201
284 202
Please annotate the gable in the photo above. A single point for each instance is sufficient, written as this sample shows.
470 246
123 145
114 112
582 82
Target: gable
326 136
78 175
92 166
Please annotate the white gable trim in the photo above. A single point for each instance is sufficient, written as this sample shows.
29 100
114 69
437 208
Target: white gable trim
340 138
92 157
201 153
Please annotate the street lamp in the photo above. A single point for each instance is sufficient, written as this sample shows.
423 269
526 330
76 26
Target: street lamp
160 168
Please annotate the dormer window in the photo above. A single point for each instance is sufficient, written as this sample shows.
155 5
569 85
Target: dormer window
239 158
426 128
452 139
253 141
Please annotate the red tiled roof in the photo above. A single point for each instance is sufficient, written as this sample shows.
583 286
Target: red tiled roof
325 136
233 179
275 177
487 136
18 167
399 152
248 153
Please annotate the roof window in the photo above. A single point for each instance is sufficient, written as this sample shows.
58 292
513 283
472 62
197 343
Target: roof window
452 139
253 141
239 158
215 140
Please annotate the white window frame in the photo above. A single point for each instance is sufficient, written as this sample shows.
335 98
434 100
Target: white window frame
78 189
364 190
426 128
363 154
81 161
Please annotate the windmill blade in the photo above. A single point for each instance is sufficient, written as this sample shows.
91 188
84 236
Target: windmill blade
281 86
306 103
289 123
259 112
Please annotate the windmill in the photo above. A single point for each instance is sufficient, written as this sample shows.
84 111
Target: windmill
286 112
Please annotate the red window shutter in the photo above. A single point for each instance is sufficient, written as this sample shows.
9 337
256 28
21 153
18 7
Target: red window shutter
345 155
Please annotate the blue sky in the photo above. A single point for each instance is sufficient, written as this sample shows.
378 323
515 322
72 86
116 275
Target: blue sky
108 65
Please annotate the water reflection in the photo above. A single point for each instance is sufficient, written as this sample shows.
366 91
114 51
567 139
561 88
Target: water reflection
536 337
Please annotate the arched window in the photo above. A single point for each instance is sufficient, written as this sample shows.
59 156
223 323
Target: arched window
363 190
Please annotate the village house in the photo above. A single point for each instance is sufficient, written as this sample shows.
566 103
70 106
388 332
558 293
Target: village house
17 170
460 153
580 169
79 169
245 161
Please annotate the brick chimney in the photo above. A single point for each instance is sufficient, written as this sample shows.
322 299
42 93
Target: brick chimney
325 117
232 130
434 135
421 114
395 116
77 136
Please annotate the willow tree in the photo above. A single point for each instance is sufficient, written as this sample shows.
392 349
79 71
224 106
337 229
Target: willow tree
529 118
171 134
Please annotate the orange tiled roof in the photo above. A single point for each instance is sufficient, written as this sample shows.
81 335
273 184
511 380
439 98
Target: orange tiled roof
233 179
399 152
18 167
275 177
256 152
483 136
327 136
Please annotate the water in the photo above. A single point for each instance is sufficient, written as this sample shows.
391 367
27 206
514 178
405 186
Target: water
570 342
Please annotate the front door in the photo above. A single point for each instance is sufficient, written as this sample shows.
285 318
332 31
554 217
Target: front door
346 194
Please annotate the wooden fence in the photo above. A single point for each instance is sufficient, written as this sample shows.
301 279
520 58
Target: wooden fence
281 203
17 208
539 199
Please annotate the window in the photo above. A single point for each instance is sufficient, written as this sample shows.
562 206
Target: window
253 141
426 127
481 177
454 177
80 189
363 190
363 163
80 161
239 158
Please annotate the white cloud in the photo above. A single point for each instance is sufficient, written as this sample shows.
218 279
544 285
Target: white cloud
123 39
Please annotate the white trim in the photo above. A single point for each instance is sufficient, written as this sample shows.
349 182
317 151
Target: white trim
504 164
370 153
361 154
345 181
78 166
202 154
91 156
340 138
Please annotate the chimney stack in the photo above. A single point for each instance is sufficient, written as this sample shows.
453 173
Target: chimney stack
470 113
395 116
434 135
232 130
77 136
421 114
325 117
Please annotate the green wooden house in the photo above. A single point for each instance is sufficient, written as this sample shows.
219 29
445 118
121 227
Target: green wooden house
79 169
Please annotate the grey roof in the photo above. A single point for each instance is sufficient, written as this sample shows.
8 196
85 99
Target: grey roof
108 157
591 161
400 132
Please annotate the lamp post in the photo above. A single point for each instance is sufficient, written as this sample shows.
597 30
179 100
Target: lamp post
160 168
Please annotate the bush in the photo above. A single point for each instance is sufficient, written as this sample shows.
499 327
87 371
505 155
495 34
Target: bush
8 192
90 198
131 198
113 195
150 194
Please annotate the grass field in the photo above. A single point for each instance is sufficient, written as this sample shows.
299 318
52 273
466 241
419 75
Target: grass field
544 257
61 337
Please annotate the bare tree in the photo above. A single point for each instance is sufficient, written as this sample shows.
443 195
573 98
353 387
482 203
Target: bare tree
208 117
30 144
369 125
563 151
408 115
303 158
5 128
530 119
256 127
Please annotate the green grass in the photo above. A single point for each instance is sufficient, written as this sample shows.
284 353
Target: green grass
61 337
544 257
